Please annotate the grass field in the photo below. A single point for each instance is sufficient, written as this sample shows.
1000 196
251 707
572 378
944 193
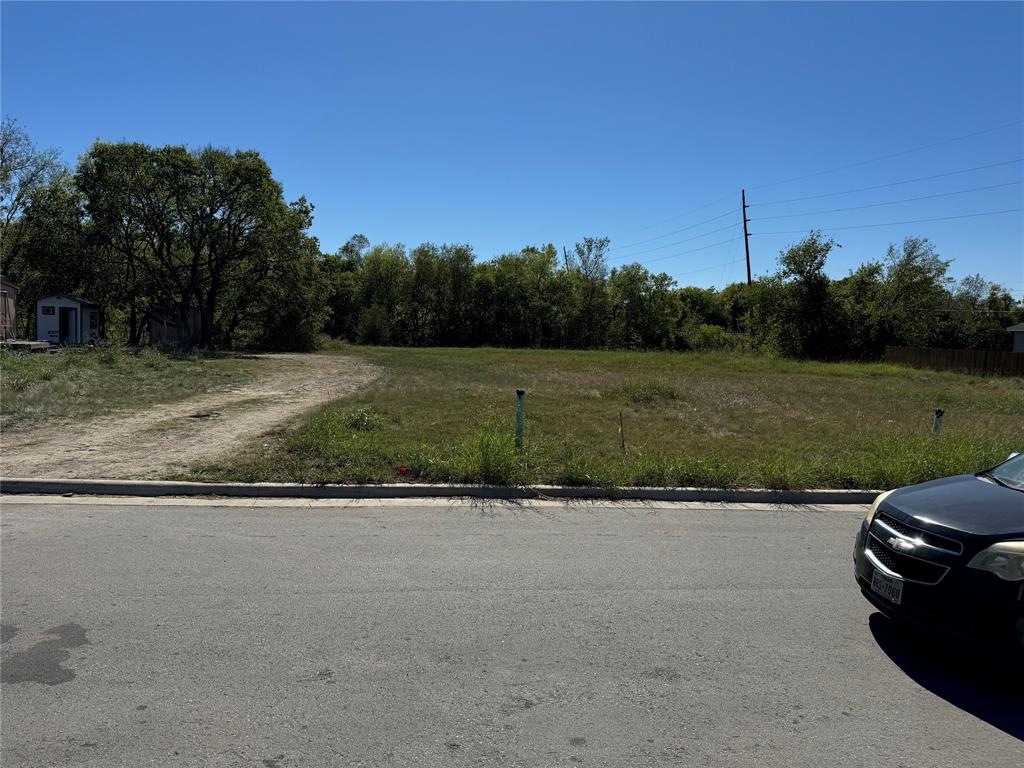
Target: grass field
81 383
710 420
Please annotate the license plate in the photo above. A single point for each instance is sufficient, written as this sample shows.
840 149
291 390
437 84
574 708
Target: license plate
888 587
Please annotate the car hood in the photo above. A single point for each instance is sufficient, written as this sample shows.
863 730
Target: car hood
965 503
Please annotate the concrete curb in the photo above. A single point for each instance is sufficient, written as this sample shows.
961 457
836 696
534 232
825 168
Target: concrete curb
16 485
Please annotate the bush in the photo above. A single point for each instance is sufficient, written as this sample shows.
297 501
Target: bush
646 393
374 326
713 338
363 419
18 383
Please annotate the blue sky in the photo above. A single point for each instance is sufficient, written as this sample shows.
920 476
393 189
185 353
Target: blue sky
503 125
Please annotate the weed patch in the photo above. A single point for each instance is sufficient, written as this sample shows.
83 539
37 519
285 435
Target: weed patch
83 383
646 393
696 420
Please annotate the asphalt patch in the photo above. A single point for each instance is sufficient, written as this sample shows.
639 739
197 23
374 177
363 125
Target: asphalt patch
42 663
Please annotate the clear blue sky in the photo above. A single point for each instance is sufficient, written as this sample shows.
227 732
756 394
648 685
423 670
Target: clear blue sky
503 125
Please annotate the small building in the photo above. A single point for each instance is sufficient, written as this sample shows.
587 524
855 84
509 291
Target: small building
67 320
8 302
1018 336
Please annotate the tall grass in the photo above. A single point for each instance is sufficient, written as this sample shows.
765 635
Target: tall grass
87 382
708 420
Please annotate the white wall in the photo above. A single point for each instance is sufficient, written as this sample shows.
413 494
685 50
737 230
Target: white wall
48 326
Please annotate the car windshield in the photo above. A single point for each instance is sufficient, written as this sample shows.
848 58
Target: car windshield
1010 472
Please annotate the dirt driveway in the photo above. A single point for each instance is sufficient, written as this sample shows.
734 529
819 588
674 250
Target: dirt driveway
164 439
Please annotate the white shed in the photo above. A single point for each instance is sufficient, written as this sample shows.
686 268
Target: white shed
62 319
1018 336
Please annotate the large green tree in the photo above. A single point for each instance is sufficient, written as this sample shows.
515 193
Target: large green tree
25 171
196 233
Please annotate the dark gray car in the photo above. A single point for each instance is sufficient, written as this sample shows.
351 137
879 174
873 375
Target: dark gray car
948 555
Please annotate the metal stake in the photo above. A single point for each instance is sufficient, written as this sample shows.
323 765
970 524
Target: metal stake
520 414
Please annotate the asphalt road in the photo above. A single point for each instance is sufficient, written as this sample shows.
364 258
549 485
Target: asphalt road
474 634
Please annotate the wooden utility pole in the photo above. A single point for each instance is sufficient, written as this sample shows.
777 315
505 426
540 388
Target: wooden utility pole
746 234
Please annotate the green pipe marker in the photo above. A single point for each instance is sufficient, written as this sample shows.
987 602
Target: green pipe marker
520 414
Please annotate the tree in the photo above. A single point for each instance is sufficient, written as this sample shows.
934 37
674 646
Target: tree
25 170
55 254
975 315
914 289
194 232
644 311
352 250
588 261
806 313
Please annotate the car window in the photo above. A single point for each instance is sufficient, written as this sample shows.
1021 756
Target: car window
1011 472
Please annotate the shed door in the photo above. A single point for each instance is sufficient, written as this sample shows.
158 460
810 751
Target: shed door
68 325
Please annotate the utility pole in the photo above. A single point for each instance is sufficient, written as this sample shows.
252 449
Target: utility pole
746 234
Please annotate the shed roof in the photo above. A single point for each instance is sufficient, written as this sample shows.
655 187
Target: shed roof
1018 328
69 297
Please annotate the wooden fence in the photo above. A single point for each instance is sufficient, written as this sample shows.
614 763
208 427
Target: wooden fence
969 360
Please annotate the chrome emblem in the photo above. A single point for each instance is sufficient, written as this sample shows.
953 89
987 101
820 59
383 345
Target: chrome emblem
900 545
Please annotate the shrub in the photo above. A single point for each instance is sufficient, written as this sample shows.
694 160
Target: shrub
363 419
713 338
18 383
646 393
374 326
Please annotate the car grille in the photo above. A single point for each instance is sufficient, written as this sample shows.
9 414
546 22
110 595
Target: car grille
910 568
933 539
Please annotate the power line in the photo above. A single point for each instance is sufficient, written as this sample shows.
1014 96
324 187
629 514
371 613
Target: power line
731 250
896 223
674 218
822 173
713 266
677 242
891 202
685 253
891 184
894 154
672 232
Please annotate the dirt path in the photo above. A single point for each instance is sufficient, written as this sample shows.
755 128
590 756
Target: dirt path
164 439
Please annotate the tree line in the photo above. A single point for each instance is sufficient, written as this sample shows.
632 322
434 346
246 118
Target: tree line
206 239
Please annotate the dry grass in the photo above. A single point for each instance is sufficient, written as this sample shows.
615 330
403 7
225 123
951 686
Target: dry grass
690 419
74 384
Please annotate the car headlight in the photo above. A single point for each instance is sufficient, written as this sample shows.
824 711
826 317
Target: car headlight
875 504
1005 560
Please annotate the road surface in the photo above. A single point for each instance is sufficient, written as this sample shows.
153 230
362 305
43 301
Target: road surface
170 633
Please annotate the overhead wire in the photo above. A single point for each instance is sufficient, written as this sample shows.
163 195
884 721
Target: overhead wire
733 240
677 242
891 202
677 216
884 186
890 156
685 253
894 223
731 250
672 232
901 153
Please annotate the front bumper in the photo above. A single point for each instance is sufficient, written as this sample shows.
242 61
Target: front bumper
966 606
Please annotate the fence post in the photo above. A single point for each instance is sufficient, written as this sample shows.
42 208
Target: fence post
937 421
520 414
